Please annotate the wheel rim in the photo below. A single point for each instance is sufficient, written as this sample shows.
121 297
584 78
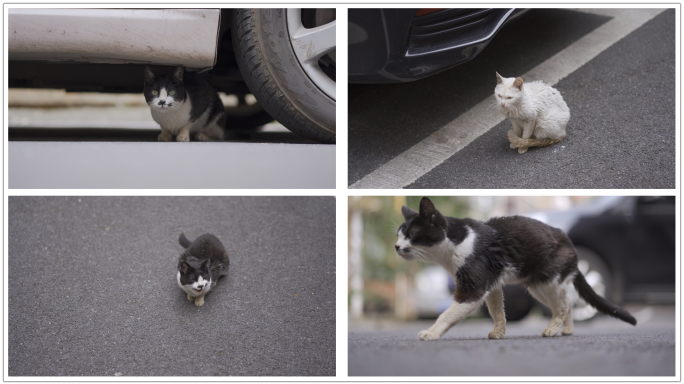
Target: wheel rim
310 46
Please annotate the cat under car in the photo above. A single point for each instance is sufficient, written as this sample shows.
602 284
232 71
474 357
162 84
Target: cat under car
185 106
482 257
200 265
536 110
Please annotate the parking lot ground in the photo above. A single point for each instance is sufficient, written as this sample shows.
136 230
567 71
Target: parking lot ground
600 347
92 287
426 134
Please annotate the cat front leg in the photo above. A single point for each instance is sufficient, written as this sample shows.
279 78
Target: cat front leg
184 133
165 135
199 301
495 304
528 130
454 314
517 131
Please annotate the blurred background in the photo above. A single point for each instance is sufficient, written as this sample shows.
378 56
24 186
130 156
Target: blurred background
626 247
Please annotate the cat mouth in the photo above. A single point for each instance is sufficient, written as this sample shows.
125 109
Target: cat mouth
197 290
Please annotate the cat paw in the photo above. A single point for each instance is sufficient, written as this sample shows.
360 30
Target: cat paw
199 301
202 137
182 138
550 332
514 145
427 336
522 150
191 297
496 334
566 331
165 136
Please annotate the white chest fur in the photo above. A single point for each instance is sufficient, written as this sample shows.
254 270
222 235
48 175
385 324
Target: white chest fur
174 118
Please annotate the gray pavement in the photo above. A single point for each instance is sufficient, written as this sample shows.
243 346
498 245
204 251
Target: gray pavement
92 287
621 133
600 347
194 165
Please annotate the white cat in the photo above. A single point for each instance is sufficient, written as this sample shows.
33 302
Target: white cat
535 110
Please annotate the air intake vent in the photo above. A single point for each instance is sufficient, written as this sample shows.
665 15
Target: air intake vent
450 24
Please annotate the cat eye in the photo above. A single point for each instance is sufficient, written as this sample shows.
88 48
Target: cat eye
171 93
509 97
155 93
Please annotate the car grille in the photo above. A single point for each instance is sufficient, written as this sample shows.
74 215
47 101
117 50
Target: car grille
453 25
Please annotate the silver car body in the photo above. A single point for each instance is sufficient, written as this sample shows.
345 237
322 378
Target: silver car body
115 36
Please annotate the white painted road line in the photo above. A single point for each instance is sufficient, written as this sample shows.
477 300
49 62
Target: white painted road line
441 145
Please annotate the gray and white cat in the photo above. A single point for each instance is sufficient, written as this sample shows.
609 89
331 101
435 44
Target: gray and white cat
482 257
536 111
185 105
200 266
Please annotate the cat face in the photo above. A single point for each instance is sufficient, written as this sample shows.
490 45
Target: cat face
508 92
421 231
164 92
196 281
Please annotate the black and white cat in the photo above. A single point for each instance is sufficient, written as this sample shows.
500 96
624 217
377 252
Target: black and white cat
484 256
200 266
184 105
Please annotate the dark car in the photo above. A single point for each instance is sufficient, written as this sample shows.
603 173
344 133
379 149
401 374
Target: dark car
401 45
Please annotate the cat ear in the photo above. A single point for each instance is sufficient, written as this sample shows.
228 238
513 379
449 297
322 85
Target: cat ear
518 83
149 75
499 79
184 268
427 209
408 213
205 264
178 75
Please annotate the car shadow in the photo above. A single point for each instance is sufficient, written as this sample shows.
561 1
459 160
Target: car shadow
143 135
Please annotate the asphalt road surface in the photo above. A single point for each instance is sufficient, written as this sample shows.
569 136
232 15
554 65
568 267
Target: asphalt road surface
601 347
621 133
92 287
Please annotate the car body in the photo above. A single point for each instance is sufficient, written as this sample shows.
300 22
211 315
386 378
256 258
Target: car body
401 45
626 249
106 50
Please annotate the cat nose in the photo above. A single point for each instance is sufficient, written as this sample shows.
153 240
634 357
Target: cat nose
162 102
396 247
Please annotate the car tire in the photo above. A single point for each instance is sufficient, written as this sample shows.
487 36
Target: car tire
277 78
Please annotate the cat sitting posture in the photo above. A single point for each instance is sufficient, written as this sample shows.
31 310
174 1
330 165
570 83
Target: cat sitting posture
200 266
184 105
536 111
482 257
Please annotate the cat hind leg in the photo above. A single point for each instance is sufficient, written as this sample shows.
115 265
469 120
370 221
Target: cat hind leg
554 296
567 324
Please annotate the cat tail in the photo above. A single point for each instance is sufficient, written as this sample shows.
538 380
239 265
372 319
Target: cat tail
598 302
184 241
517 142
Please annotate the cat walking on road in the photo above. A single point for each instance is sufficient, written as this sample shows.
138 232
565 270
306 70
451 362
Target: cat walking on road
482 257
536 110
